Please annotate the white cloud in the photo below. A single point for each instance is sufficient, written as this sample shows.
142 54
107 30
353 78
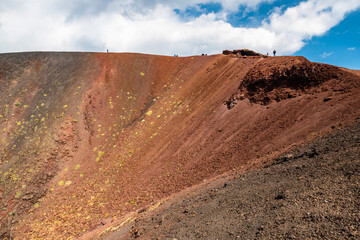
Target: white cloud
308 19
326 54
228 5
151 26
352 49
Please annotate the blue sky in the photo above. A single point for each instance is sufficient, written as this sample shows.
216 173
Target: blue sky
322 30
339 46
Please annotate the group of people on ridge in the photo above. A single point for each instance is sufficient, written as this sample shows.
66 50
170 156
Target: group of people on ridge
175 55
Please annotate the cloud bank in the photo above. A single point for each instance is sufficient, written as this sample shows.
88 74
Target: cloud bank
152 26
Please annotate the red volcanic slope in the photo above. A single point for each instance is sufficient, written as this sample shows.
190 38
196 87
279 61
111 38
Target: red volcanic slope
86 138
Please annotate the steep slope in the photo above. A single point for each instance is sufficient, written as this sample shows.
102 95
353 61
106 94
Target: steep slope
89 137
312 192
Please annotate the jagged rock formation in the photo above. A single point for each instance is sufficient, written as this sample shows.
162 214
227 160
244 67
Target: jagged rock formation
279 79
242 52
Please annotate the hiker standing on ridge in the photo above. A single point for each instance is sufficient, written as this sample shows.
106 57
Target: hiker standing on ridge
274 52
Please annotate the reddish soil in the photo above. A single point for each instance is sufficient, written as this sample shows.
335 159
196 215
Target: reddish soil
87 138
311 192
283 79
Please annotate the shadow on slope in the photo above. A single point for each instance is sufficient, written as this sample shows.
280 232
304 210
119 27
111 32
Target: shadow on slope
276 79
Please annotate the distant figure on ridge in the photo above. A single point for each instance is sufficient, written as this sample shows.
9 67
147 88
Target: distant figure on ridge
274 52
107 50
